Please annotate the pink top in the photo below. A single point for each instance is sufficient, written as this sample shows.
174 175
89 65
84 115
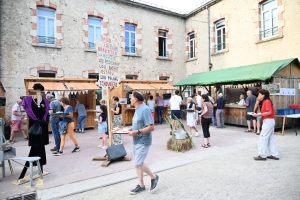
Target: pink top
209 112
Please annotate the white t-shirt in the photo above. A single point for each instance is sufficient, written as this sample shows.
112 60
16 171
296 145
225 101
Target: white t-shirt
242 102
175 102
16 108
199 100
151 104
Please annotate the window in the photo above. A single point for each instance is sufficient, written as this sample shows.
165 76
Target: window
220 36
134 77
130 46
93 75
45 26
165 78
162 44
269 19
94 32
191 45
47 74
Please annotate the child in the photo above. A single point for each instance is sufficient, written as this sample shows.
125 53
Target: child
102 126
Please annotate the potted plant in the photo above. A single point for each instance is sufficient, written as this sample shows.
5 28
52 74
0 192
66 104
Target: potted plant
180 140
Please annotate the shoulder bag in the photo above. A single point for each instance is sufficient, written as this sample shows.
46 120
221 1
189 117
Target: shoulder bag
35 129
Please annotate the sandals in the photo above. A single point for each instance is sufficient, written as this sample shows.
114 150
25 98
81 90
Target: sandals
27 138
248 130
254 131
204 146
208 144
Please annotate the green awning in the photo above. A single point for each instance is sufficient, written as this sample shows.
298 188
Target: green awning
247 73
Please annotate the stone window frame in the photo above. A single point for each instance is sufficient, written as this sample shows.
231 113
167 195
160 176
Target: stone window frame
169 42
132 74
187 44
58 23
257 21
213 34
138 37
46 67
168 75
85 27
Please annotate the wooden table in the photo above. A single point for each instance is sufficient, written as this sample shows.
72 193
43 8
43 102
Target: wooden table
294 116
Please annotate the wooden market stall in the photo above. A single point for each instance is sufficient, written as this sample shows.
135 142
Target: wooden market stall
147 87
73 88
2 100
273 76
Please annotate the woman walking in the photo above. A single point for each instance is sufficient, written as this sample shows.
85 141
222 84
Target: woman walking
266 137
102 126
207 110
191 117
117 121
66 127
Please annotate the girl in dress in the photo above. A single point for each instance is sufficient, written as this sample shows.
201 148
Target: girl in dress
102 126
191 117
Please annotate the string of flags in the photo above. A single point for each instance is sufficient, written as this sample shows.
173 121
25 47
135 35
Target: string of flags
61 93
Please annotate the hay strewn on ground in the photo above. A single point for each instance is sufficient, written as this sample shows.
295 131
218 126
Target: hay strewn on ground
182 145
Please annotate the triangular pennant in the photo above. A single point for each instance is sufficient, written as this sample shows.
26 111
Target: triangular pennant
79 92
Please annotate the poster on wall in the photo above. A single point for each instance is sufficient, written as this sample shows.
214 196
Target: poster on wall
123 100
274 89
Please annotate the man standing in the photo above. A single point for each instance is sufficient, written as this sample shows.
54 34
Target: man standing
160 108
54 120
220 103
80 108
175 103
142 126
16 121
250 103
199 101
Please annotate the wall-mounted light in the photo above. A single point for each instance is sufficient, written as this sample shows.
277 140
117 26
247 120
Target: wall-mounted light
210 65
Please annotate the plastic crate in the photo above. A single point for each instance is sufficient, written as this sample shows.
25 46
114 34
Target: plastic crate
292 111
297 110
283 111
295 106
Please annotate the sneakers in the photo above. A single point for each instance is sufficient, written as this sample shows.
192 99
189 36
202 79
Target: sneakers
154 183
58 153
76 149
137 190
272 157
54 149
259 158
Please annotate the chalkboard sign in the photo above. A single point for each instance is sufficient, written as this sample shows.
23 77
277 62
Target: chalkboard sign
272 88
2 101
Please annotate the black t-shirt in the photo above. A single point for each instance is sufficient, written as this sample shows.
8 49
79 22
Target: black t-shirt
120 110
104 116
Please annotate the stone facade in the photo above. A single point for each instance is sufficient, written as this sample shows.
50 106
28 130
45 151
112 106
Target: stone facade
21 56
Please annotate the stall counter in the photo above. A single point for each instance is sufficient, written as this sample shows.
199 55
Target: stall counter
235 114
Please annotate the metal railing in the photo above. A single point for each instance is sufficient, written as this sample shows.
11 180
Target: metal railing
130 49
46 40
220 46
268 32
163 53
191 55
91 45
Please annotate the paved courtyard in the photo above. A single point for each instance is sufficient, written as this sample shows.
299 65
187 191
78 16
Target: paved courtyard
224 171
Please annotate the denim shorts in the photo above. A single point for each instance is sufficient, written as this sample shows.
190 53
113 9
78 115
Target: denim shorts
140 152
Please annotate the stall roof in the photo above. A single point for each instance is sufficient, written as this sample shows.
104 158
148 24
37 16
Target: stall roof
163 87
82 86
49 86
247 73
138 86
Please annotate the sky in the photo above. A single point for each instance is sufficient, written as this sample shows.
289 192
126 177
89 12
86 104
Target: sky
184 6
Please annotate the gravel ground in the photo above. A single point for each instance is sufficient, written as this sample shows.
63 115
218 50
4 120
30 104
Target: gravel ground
229 173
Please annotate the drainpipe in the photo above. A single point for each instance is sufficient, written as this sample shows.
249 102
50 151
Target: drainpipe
208 28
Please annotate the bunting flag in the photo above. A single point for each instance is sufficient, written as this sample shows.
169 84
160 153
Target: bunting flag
79 92
67 93
56 94
86 91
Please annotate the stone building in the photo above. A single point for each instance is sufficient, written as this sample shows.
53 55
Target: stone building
56 38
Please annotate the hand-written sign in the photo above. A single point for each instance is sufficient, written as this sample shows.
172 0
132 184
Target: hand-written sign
108 61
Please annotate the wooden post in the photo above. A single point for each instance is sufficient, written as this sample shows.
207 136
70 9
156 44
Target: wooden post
109 117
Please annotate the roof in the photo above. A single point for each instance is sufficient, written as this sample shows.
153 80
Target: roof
247 73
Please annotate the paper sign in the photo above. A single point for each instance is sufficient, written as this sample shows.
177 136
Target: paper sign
123 100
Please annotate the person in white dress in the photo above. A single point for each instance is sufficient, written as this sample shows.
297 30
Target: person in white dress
191 117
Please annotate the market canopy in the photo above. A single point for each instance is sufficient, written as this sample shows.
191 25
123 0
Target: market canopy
247 73
148 86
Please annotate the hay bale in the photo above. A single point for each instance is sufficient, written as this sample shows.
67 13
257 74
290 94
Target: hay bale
182 145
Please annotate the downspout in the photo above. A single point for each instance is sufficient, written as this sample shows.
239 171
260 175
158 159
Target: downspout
208 28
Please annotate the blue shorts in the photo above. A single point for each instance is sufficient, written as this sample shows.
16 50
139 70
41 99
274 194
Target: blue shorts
102 127
176 113
140 152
